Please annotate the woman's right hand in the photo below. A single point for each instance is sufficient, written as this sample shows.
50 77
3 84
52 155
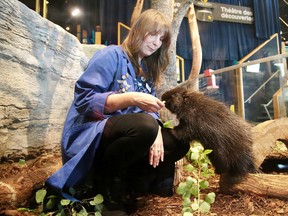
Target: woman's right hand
144 101
147 102
156 154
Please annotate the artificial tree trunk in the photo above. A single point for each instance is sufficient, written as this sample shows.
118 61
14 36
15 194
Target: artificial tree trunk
196 47
137 11
169 78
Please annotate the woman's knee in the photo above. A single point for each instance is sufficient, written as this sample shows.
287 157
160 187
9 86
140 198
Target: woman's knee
146 126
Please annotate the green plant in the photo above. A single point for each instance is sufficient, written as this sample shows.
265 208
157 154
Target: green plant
194 201
62 207
279 147
22 162
168 124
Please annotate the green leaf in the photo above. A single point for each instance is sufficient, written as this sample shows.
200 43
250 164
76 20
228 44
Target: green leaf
204 207
207 151
204 165
194 190
195 206
207 173
168 124
186 209
98 199
195 150
190 168
186 202
181 188
195 156
189 181
187 214
40 195
92 203
204 184
187 194
50 204
52 197
22 162
65 202
210 198
83 212
98 214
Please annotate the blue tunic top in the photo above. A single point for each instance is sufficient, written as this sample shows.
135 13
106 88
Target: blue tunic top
108 72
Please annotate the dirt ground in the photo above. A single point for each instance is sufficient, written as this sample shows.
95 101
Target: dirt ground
225 205
236 205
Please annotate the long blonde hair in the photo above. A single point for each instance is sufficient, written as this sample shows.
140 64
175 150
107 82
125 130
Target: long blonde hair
149 22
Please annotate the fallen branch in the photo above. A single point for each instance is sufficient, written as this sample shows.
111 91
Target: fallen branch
265 136
266 185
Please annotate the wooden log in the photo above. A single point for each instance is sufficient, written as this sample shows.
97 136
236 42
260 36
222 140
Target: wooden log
266 185
265 136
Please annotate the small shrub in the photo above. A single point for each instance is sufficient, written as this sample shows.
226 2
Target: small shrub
191 190
61 207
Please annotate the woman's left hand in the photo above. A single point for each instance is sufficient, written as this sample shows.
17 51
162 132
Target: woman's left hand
156 153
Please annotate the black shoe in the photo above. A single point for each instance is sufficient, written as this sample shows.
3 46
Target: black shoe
116 200
113 192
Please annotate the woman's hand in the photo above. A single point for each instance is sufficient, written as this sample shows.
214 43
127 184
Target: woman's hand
144 101
156 153
147 102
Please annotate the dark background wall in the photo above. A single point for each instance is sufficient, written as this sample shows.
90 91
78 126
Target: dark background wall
223 43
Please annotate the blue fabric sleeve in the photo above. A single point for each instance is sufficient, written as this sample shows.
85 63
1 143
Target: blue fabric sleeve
94 86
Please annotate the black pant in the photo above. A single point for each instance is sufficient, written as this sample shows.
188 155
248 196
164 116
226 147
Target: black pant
124 150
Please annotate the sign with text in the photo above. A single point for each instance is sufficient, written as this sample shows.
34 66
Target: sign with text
232 13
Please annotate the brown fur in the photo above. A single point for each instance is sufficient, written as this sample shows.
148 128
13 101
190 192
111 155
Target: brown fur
216 127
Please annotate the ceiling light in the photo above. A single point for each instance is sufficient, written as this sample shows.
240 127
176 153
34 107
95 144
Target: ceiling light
75 12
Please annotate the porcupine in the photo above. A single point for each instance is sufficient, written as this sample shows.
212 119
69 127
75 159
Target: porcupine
215 127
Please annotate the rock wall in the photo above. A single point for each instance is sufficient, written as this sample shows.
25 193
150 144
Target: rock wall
39 63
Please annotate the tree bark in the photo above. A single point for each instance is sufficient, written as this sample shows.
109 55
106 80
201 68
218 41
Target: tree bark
265 136
164 6
196 47
169 78
266 185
